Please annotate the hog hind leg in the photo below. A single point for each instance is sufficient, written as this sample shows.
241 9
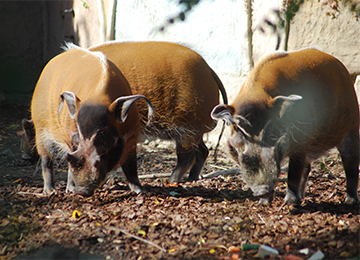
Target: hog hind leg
296 171
185 159
129 168
349 152
201 154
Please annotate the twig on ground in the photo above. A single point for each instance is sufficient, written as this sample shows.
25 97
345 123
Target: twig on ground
136 237
218 173
218 167
260 217
154 176
31 193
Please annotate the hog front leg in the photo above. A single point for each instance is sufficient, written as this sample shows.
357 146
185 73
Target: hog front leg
297 164
129 168
47 165
304 179
70 186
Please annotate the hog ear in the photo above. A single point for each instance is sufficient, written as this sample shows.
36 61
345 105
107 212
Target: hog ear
72 101
283 104
121 106
223 112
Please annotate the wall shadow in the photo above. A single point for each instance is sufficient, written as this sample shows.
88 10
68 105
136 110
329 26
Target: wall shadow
31 34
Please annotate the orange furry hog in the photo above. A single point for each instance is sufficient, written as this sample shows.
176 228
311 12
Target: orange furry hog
82 111
297 105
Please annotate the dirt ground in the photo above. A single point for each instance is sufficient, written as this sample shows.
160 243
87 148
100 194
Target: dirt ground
213 218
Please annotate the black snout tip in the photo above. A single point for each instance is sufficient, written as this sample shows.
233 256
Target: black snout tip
263 196
84 193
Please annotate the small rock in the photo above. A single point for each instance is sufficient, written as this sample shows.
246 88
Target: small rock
266 251
318 255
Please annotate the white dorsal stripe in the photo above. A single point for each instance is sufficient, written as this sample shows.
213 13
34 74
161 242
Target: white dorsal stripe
99 55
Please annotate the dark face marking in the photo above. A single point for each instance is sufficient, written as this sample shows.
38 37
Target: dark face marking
91 118
257 115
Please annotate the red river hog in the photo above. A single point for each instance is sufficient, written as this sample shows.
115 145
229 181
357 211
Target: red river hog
82 111
183 90
297 105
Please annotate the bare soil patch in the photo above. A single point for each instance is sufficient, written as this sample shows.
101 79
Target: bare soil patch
194 220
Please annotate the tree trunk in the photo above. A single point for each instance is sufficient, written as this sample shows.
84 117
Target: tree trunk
250 34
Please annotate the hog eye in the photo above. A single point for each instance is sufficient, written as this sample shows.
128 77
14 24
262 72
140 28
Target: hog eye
252 162
232 151
75 140
271 134
97 164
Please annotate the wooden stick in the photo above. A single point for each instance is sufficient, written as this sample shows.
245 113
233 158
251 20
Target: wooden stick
154 176
136 237
218 173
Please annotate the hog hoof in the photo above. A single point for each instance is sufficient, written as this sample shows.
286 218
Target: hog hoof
265 201
49 191
135 188
192 178
350 200
70 187
291 199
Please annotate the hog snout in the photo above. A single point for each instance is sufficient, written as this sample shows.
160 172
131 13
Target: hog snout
262 191
84 191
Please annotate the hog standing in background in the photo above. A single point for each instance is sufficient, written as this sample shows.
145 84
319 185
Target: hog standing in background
28 142
183 90
300 105
96 130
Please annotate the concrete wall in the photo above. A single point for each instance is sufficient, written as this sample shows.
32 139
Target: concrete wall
212 28
19 63
339 37
217 29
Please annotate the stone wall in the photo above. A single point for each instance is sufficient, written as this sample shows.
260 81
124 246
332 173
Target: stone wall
340 37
